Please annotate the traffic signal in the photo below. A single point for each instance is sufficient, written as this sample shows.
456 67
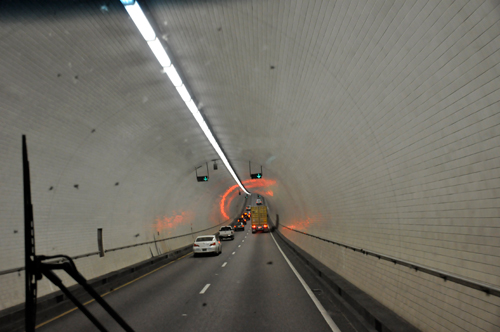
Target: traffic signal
256 176
202 178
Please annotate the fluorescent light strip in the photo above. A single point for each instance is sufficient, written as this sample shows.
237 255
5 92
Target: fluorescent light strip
149 35
140 20
159 52
184 93
173 75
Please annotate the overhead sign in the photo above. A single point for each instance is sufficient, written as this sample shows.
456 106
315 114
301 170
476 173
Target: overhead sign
256 176
202 178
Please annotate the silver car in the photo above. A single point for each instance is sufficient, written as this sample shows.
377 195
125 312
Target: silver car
205 244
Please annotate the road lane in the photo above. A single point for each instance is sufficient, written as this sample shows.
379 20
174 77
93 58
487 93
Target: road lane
161 293
255 290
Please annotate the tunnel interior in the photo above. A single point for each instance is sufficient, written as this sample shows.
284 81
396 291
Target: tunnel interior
376 124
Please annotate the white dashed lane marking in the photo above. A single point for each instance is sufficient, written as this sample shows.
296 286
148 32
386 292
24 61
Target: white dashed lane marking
239 246
234 252
205 289
225 263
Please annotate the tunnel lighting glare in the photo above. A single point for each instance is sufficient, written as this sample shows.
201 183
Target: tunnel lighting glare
173 75
140 20
184 93
142 23
159 52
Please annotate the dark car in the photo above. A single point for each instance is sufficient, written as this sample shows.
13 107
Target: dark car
243 220
239 226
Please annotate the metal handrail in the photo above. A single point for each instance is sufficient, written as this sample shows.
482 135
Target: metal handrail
481 286
19 269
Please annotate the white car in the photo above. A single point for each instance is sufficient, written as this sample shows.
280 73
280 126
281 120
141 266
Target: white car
205 244
226 232
258 201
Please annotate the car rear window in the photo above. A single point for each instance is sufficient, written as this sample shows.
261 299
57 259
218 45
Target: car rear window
225 228
205 239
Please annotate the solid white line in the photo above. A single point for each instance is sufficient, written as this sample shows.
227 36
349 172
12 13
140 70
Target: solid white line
234 252
205 288
320 307
225 263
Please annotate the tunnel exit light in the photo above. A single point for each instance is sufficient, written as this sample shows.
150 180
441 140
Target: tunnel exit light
147 32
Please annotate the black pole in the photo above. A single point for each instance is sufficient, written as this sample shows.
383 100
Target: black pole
29 246
34 267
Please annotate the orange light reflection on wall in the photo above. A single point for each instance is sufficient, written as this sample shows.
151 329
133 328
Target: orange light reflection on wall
163 223
250 183
304 224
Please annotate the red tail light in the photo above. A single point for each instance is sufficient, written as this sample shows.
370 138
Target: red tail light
195 245
253 226
212 244
265 226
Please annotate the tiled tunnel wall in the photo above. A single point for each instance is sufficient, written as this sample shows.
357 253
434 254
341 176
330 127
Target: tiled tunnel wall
408 167
381 130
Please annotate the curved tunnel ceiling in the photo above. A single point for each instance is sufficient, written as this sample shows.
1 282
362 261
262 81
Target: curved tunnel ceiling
376 123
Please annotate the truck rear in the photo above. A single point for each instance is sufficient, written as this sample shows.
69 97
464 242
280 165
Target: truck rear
259 219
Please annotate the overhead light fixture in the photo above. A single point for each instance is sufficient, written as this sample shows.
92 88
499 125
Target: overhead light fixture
215 164
173 75
192 106
140 20
149 35
159 52
184 93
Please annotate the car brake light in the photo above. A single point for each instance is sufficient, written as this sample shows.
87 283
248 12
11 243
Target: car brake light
212 244
253 226
195 245
265 226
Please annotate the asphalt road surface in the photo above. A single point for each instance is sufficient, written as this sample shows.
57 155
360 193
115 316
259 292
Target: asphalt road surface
248 287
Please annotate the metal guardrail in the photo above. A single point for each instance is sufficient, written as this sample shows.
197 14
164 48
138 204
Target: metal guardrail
484 287
19 269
